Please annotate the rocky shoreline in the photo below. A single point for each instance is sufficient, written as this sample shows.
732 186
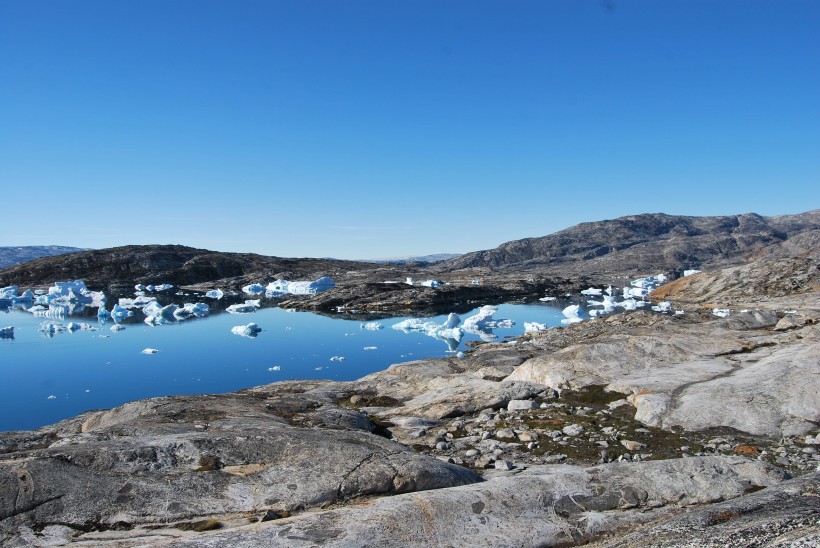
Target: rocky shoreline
637 428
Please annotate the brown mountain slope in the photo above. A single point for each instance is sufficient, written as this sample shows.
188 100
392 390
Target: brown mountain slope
655 241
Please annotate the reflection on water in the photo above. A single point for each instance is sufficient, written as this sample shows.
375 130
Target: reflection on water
71 357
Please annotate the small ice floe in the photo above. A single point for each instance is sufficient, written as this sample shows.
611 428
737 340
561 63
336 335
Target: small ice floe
254 289
103 315
721 312
547 299
119 313
188 310
52 397
275 368
530 327
150 351
592 291
250 331
318 368
246 308
690 272
664 306
49 329
461 355
483 323
430 283
370 348
572 314
75 326
116 328
371 326
140 301
161 287
7 332
283 287
337 359
139 287
678 312
215 294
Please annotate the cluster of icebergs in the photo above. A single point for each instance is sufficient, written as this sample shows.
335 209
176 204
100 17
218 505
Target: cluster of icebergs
285 287
452 330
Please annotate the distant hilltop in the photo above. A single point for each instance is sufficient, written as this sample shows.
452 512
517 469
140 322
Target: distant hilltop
10 256
435 258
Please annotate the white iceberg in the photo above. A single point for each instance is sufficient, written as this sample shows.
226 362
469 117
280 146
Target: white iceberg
246 308
119 313
250 331
530 327
117 327
254 289
7 332
150 351
664 306
547 299
690 272
337 358
430 283
447 332
371 326
592 291
572 314
76 326
163 287
215 294
9 292
279 287
370 348
49 329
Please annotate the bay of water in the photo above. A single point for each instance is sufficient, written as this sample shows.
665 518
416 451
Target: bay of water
46 379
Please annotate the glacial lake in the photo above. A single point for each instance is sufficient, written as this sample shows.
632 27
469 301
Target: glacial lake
44 379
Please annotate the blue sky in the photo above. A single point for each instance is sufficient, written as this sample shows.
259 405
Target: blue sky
386 128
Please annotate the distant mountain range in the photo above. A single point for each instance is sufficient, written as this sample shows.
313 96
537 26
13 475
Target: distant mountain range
653 241
435 258
10 256
627 246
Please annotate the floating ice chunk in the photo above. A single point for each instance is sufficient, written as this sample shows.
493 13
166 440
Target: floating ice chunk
254 289
370 348
448 332
140 301
484 320
409 281
592 291
547 299
9 292
678 312
163 287
119 313
596 313
199 309
337 359
430 283
24 299
660 278
49 329
452 321
371 326
461 355
75 326
150 351
275 368
7 332
721 312
117 327
52 397
139 287
246 308
311 288
572 314
665 306
628 304
215 294
690 272
534 326
103 315
251 330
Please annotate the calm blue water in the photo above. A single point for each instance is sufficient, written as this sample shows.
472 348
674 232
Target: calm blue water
46 379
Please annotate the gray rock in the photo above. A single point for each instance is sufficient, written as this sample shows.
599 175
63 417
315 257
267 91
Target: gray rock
521 405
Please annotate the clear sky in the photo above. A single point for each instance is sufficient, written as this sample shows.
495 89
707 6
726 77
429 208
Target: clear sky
385 128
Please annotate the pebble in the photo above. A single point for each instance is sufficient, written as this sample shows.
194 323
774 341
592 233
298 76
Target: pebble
633 445
442 446
505 433
471 453
503 465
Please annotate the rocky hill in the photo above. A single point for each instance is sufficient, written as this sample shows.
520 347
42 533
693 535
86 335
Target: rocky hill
651 242
118 269
10 256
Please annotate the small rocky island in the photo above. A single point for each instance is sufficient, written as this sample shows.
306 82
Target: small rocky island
633 429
